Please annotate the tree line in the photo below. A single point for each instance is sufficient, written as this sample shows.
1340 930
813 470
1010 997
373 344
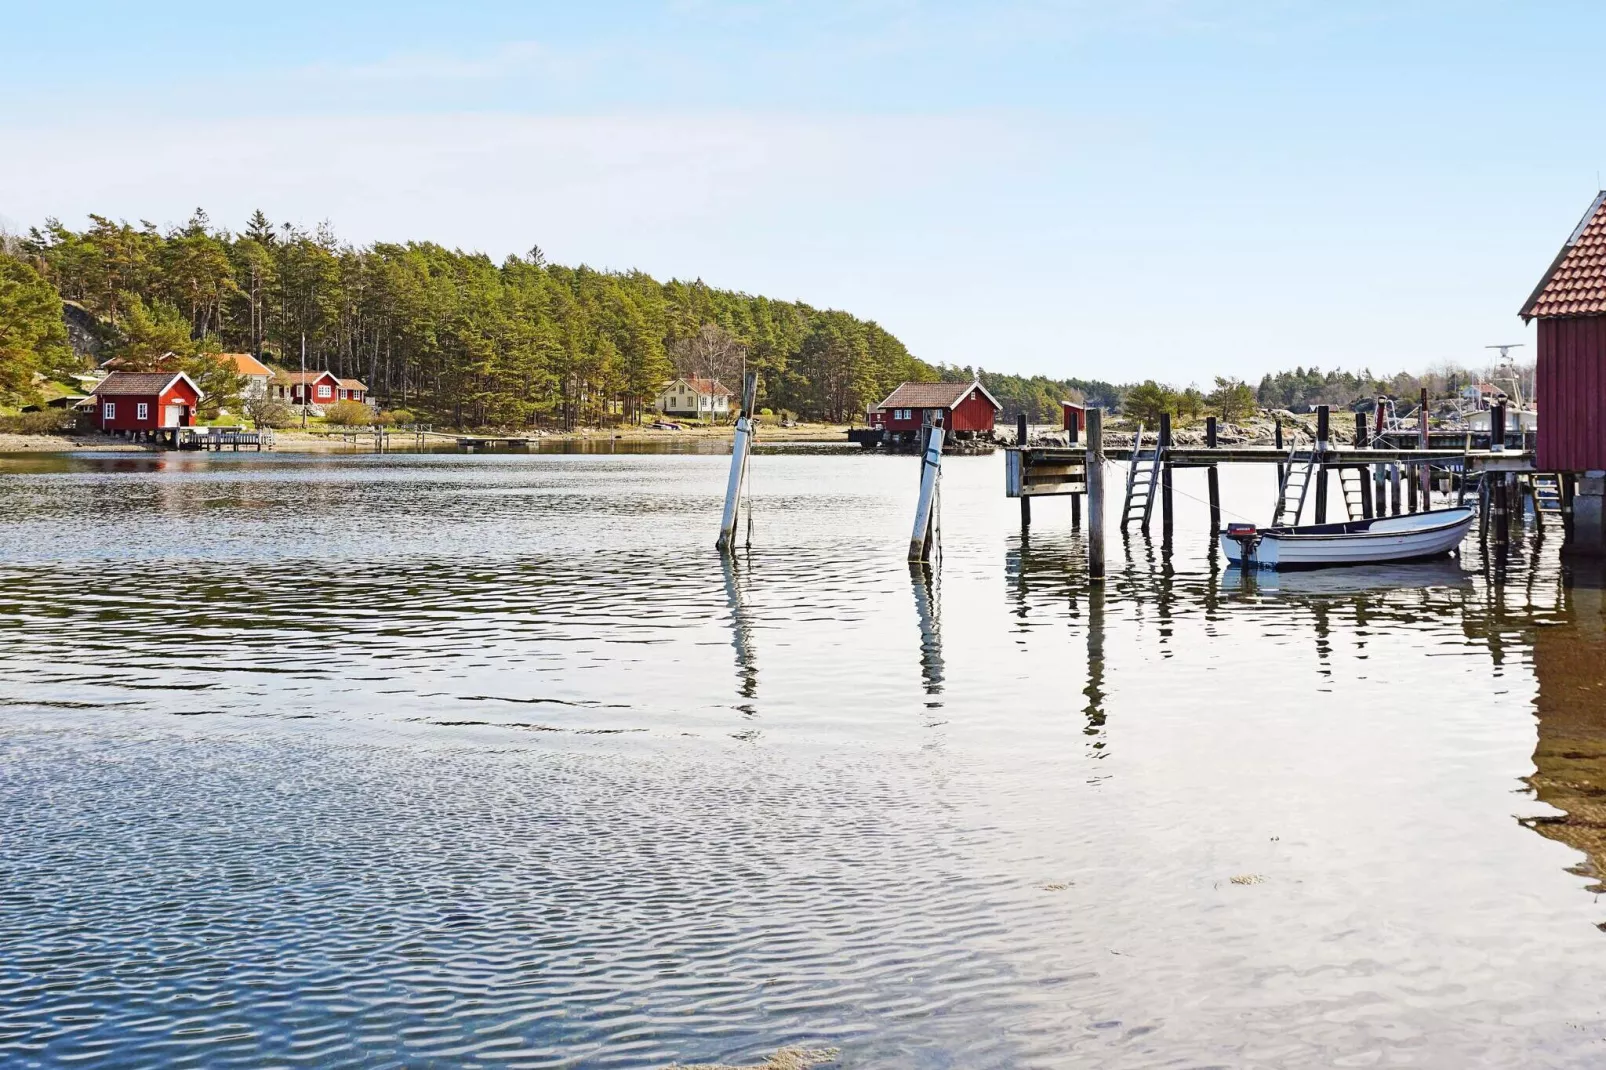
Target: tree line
443 332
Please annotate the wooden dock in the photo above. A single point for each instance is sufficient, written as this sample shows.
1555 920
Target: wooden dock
1376 477
215 439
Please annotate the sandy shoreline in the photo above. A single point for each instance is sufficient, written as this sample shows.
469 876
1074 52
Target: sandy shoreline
296 441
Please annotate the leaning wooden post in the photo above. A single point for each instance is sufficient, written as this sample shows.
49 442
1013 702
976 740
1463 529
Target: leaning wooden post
1323 431
739 450
1021 434
1213 481
1095 494
1282 478
921 542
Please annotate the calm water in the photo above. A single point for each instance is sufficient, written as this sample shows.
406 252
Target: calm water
491 761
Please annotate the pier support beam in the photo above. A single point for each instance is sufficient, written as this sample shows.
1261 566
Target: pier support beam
1165 478
922 542
1213 481
1323 433
1587 537
1424 471
1095 494
739 450
1022 433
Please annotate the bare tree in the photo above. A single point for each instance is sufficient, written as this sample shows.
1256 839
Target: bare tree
712 353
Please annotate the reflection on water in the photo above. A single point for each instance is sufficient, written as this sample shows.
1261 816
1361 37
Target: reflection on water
448 760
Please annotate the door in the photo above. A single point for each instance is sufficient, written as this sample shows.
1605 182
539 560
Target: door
173 415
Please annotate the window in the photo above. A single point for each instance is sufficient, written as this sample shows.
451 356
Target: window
323 390
142 411
108 411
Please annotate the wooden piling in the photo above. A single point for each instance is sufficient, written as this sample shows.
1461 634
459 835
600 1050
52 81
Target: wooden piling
1323 433
1411 488
1424 471
1095 494
1497 427
740 447
1360 430
1282 476
1569 487
1394 489
1164 445
1498 517
1021 435
1213 481
922 542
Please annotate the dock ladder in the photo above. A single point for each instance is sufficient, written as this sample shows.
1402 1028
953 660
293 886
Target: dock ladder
1296 481
1547 492
1141 479
1352 481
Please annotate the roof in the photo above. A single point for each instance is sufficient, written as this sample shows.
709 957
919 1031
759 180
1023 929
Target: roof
1575 285
297 378
245 364
934 396
353 384
141 384
703 386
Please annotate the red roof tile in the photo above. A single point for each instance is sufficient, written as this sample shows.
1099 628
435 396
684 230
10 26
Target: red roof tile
353 384
139 384
297 378
245 364
1575 285
933 396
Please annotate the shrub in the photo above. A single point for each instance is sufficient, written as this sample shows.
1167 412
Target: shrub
348 414
268 412
43 422
396 418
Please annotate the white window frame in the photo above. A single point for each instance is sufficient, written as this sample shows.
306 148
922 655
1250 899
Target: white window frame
323 390
142 411
108 410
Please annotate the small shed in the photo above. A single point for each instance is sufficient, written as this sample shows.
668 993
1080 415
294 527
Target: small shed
1075 418
1570 378
145 401
967 409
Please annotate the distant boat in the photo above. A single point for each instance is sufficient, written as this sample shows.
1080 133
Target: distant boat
1358 542
1516 420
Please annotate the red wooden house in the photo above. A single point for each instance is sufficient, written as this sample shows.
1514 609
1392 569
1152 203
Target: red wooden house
145 401
313 389
1570 378
967 409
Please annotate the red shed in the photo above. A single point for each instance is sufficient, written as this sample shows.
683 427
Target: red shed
145 401
967 408
1075 417
1570 380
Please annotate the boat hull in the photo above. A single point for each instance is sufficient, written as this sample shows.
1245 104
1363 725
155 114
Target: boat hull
1369 542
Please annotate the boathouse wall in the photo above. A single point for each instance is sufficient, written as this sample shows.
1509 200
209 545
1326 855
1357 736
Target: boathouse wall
1570 380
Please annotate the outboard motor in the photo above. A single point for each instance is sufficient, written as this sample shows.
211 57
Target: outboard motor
1246 536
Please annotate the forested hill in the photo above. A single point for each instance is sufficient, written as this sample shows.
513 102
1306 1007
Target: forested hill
440 331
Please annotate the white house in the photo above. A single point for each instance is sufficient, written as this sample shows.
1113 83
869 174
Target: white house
704 399
255 373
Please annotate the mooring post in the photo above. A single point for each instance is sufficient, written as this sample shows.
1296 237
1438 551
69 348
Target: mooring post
1213 482
1021 435
1360 430
1568 487
1497 427
1411 488
1164 451
739 450
1095 494
1498 520
1394 488
1073 435
1323 431
1424 470
1282 477
921 542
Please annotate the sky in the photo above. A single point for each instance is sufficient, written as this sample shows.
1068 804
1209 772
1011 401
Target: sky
1169 189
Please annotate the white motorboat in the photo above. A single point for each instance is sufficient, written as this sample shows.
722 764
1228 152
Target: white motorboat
1356 542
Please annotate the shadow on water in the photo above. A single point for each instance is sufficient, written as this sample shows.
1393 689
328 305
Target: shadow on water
741 627
928 613
1570 756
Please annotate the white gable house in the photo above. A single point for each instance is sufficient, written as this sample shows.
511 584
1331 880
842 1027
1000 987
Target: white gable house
705 399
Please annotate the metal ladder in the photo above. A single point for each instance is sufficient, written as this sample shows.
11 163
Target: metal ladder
1547 492
1296 481
1141 478
1352 482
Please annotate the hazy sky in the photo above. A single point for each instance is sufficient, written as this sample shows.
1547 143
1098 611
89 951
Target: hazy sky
1167 188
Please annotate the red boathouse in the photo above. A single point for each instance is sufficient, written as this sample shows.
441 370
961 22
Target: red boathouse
1570 376
967 409
1570 379
145 401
